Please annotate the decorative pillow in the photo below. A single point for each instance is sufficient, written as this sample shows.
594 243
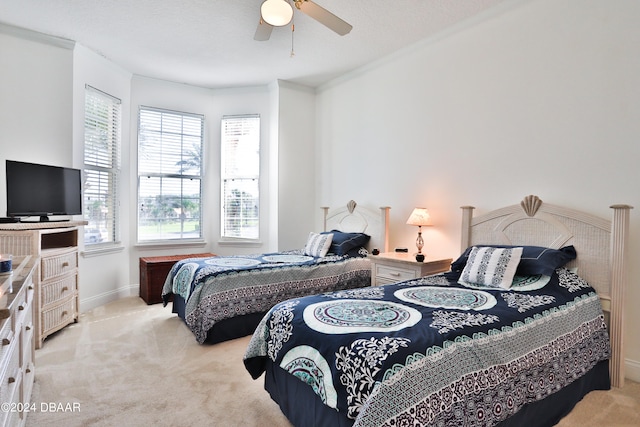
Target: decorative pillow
343 243
535 259
318 244
529 283
491 267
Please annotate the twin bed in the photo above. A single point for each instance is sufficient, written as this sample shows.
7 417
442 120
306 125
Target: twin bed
222 298
515 334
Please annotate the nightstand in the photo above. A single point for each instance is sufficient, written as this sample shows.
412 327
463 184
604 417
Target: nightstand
392 267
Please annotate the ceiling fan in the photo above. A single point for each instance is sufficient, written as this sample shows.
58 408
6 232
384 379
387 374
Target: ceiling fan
277 13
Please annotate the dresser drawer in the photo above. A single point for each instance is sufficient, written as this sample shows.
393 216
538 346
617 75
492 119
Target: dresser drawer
57 290
11 393
19 311
7 337
379 281
27 382
58 316
394 274
11 375
58 265
393 267
27 361
13 418
26 337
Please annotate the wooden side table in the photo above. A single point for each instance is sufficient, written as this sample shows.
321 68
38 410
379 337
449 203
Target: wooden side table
154 271
392 267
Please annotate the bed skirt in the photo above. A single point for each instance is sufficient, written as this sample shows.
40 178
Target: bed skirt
224 330
303 407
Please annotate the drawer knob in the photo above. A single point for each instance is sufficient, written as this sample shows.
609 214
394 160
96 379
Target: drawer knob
64 289
395 274
27 328
65 264
21 307
64 313
6 341
11 380
30 287
28 371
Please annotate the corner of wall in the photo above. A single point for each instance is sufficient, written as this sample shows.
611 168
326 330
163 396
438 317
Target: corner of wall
632 370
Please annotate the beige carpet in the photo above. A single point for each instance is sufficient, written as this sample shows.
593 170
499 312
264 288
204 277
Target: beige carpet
129 364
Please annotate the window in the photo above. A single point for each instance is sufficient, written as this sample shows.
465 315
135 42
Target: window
240 176
101 166
169 175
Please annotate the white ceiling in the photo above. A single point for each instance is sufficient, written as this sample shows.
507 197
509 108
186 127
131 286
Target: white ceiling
209 43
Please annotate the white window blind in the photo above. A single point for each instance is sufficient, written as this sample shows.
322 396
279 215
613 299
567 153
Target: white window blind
102 136
240 156
169 174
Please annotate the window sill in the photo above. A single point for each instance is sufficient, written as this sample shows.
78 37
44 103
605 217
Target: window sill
241 243
101 250
160 244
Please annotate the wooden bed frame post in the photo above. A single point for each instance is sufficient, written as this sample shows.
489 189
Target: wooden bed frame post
467 214
385 221
325 213
619 241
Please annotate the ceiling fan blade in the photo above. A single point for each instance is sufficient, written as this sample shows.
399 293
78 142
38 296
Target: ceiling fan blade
263 32
323 16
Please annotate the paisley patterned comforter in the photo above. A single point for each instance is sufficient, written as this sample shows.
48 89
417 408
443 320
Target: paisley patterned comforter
220 288
432 352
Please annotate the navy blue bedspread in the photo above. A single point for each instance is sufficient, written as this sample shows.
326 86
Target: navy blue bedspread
432 352
221 288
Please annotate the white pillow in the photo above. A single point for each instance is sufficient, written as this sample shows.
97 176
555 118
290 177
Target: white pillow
318 244
491 267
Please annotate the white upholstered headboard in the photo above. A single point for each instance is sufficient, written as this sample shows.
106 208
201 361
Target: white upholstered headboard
600 244
353 218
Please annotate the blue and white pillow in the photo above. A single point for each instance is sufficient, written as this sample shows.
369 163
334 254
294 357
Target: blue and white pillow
491 267
534 260
344 243
318 244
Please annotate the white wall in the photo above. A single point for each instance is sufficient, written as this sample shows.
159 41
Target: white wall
541 99
296 165
35 101
102 275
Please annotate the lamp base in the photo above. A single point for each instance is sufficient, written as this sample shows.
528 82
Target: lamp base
419 257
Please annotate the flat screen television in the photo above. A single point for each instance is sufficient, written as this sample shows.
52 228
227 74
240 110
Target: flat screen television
42 190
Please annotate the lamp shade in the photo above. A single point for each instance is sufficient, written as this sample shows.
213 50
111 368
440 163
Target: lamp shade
419 216
276 12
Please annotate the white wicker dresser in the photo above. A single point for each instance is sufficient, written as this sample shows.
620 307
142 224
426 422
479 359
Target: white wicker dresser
56 279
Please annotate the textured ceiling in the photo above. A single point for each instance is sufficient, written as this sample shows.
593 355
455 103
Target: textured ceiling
209 43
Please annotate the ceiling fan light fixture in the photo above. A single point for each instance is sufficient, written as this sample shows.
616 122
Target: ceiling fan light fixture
276 12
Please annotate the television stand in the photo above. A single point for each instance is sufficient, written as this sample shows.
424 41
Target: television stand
55 243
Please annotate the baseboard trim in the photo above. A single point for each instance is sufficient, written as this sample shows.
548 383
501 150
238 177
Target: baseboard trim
632 370
90 303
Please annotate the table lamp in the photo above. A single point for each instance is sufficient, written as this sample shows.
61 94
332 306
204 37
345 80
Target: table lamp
419 217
